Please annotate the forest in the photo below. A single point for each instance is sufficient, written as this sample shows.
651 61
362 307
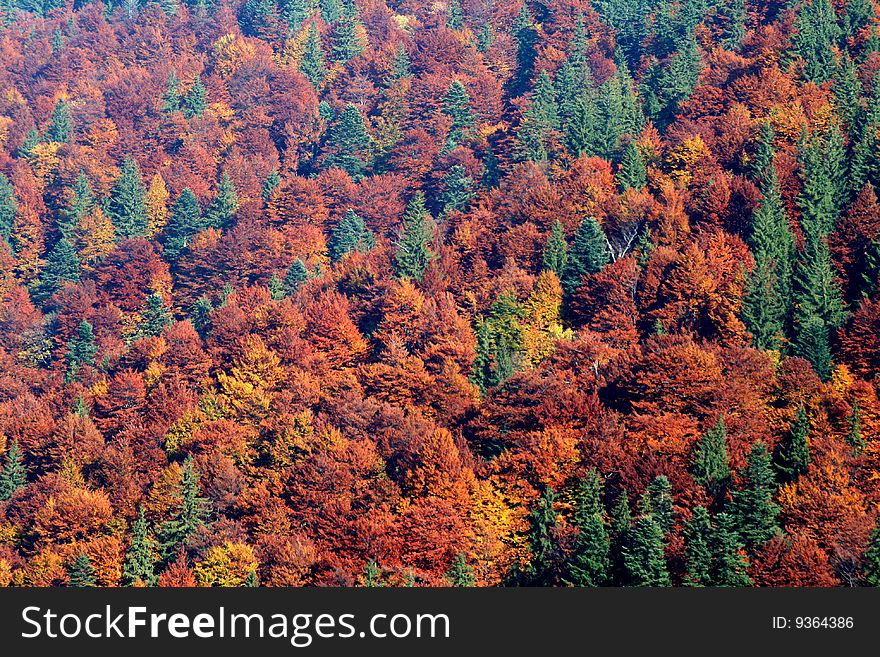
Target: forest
448 293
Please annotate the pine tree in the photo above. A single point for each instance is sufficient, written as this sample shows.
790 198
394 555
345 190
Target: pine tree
270 184
454 15
457 190
633 173
711 468
82 201
8 208
350 234
761 164
729 564
589 564
456 105
588 254
81 349
346 42
142 555
817 34
731 16
412 255
824 185
296 275
62 266
200 314
184 222
189 514
348 143
854 437
539 121
401 66
526 35
460 574
31 139
793 452
81 573
499 342
556 250
752 507
657 502
61 126
698 553
872 557
542 541
847 88
196 101
126 208
621 530
171 97
13 476
312 62
221 212
154 317
643 556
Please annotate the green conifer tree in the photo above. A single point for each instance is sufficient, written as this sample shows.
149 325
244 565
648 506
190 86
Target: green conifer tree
312 63
644 556
81 349
154 317
296 275
350 234
184 221
171 97
621 530
62 266
142 555
542 541
872 558
657 502
456 105
348 143
457 190
539 121
460 574
817 32
81 573
854 437
588 254
126 208
221 212
189 514
61 126
698 549
589 563
793 452
753 509
711 467
729 564
454 15
8 208
633 173
82 201
345 41
412 255
270 184
13 476
196 101
556 250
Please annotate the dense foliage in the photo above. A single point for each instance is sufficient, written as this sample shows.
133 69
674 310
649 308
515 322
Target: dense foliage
390 292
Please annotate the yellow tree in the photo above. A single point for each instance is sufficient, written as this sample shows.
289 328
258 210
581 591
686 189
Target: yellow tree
156 200
94 237
230 564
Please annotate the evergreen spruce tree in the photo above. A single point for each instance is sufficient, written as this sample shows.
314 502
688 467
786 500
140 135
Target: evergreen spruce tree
816 36
61 126
729 564
526 35
221 212
171 97
348 143
454 15
8 208
854 437
330 10
456 105
485 38
188 515
350 234
872 558
81 349
761 163
13 476
31 139
200 314
196 101
296 275
499 342
847 88
556 250
62 265
539 121
154 317
457 190
81 573
711 468
346 43
732 19
633 173
412 255
698 548
184 221
270 184
588 254
657 502
82 201
621 530
644 556
793 452
858 15
401 66
142 555
542 542
589 563
460 574
126 208
753 509
312 63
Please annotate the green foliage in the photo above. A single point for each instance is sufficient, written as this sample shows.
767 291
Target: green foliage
854 437
633 173
729 564
711 467
62 265
184 221
296 275
665 87
154 317
350 234
499 343
457 190
81 349
621 530
542 541
588 254
200 314
345 41
312 63
644 555
454 15
61 126
126 208
872 558
816 35
171 98
81 573
526 35
657 503
221 212
460 574
412 254
589 563
13 476
698 552
8 208
752 507
142 555
196 101
270 184
401 66
82 201
189 514
793 452
539 121
456 105
348 143
556 250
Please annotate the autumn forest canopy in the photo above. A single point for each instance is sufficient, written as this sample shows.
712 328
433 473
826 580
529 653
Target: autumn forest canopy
465 292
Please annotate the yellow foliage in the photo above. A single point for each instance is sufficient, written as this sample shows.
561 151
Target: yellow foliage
227 565
682 158
229 52
5 124
95 238
498 528
181 432
8 534
44 160
156 200
841 380
5 573
543 326
254 379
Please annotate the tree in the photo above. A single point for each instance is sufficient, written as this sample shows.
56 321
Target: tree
753 509
817 34
460 574
542 540
14 474
62 265
729 564
156 203
270 184
412 255
142 555
633 172
312 62
171 97
221 212
454 15
793 452
621 531
154 317
457 190
711 467
499 343
456 104
61 126
588 254
184 222
556 250
657 502
539 121
643 556
8 208
872 557
196 101
589 563
81 573
401 66
350 234
346 40
526 35
348 143
188 515
698 553
82 202
296 275
81 349
126 208
854 437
